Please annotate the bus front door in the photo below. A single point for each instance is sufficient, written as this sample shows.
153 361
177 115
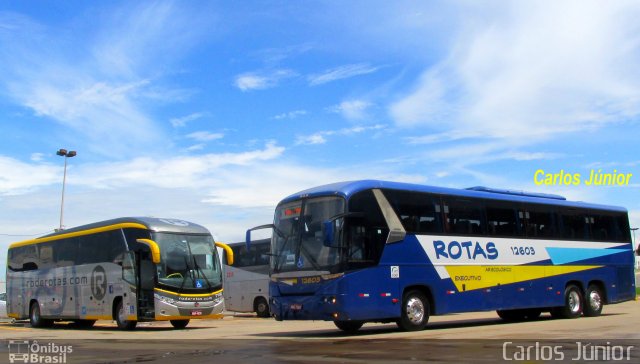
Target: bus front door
130 294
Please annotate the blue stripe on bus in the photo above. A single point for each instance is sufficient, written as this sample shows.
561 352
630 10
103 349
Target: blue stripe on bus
571 255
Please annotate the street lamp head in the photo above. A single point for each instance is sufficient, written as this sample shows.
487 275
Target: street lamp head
71 154
62 152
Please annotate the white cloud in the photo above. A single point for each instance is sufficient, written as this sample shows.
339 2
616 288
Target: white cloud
311 139
18 178
182 121
37 157
99 81
261 80
205 136
290 115
352 109
320 137
530 72
342 72
196 147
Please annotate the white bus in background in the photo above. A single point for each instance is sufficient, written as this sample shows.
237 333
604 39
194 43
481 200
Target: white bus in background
246 283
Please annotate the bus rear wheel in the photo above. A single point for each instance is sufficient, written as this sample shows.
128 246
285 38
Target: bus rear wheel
121 318
573 304
349 326
35 319
594 301
415 311
262 307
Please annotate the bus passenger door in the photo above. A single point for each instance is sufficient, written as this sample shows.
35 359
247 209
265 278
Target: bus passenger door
130 292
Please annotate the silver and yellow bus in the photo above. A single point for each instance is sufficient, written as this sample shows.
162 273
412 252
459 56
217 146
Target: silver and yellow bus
127 269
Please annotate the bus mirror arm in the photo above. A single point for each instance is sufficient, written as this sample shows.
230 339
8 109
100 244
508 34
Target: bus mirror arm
265 226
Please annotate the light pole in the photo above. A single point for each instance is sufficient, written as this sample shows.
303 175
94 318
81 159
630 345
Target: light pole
634 234
66 154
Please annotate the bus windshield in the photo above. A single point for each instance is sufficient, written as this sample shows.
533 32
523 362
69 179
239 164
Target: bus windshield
298 236
188 262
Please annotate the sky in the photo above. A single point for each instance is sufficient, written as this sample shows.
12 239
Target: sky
212 112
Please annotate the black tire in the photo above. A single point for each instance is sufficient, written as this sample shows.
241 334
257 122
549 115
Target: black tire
35 319
573 304
414 313
594 301
349 326
121 318
179 324
262 307
84 324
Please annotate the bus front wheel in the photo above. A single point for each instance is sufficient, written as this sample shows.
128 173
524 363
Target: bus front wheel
121 318
35 319
415 311
179 324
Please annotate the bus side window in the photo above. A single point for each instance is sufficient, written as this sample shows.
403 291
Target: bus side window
574 225
418 212
464 216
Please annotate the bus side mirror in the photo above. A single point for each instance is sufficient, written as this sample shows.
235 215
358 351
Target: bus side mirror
248 235
328 233
227 250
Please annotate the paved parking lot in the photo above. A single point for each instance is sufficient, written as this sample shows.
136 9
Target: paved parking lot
251 339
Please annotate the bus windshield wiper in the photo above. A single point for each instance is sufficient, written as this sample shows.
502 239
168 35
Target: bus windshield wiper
198 269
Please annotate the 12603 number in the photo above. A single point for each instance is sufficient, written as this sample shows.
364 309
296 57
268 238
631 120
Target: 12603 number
523 250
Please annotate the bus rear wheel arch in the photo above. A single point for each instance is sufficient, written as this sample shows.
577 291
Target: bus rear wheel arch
35 317
415 310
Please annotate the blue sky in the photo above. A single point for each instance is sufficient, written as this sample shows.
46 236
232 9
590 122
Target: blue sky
213 112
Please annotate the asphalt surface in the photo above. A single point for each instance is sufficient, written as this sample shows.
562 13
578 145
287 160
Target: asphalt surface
479 336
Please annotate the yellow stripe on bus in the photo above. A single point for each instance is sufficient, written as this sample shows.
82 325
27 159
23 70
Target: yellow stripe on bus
187 295
100 317
79 233
483 276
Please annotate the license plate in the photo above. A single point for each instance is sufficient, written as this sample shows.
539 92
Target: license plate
196 313
296 306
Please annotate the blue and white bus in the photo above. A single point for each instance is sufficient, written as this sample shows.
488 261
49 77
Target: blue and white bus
375 251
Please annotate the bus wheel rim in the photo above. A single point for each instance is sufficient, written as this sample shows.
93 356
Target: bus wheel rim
574 302
415 310
595 301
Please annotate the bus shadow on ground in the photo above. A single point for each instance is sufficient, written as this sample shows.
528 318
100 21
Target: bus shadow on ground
377 328
98 327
